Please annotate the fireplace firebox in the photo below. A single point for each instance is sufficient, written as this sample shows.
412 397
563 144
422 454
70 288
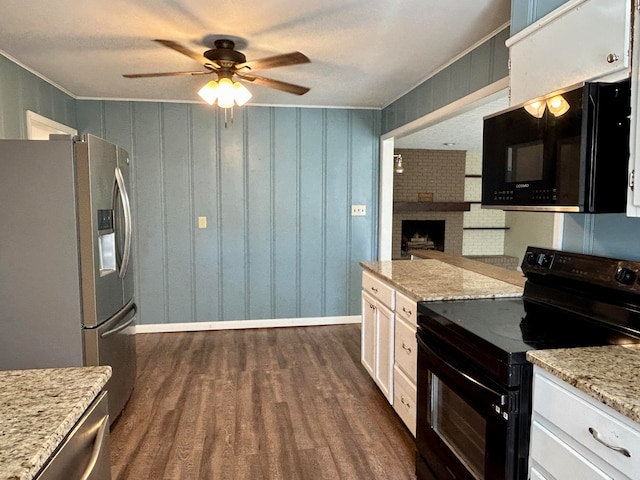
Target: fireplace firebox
422 235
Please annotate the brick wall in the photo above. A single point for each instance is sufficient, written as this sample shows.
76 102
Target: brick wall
440 172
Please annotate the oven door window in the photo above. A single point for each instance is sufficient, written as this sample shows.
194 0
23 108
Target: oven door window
459 426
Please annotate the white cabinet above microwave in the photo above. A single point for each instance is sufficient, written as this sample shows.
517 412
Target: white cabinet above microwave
583 40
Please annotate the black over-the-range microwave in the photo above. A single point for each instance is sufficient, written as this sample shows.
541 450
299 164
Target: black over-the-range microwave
567 152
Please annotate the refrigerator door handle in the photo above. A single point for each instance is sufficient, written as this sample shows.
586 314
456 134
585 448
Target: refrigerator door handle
126 208
125 312
118 328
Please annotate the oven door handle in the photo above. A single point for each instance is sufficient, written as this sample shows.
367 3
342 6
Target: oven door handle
502 399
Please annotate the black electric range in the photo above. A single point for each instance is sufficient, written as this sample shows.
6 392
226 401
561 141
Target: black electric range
472 363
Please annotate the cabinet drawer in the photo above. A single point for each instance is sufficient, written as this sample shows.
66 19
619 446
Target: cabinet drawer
380 290
404 399
87 441
558 458
564 407
406 307
406 350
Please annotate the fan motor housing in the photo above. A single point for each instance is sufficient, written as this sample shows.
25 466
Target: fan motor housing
224 52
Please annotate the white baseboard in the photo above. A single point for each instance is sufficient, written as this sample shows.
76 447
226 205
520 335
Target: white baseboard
242 324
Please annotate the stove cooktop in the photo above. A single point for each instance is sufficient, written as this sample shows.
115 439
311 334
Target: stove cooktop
497 333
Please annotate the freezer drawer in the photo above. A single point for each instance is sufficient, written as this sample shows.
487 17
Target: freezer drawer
85 452
113 343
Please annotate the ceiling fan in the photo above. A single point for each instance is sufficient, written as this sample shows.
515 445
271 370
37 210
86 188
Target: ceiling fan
227 63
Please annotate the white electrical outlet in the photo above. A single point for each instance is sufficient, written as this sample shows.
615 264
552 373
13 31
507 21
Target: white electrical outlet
202 222
358 210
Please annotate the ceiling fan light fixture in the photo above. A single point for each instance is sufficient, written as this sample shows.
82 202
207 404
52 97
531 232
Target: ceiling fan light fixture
225 93
241 94
209 92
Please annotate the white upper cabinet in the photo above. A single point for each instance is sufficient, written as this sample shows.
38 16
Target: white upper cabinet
583 40
633 190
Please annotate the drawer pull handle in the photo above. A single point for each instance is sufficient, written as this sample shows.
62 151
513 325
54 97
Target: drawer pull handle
97 447
408 349
408 312
596 436
374 289
405 403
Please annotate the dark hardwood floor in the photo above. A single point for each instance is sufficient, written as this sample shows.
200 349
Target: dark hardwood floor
285 403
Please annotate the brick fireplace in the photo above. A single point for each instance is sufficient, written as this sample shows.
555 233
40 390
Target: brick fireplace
437 175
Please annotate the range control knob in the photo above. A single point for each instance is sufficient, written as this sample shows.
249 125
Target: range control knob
531 258
545 260
626 276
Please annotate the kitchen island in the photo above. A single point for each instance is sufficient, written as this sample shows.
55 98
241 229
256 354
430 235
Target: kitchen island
436 280
38 409
390 293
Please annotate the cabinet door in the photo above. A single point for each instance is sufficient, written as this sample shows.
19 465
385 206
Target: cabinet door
368 341
633 189
577 42
385 350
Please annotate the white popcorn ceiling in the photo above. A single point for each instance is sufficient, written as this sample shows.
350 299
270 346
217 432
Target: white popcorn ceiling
364 53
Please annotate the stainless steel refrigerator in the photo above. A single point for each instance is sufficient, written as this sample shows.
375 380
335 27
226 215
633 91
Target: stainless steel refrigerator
66 280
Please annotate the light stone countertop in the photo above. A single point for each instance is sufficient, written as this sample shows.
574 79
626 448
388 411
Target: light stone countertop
433 280
38 408
608 374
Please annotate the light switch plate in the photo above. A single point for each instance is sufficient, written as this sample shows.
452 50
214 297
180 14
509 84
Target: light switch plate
202 222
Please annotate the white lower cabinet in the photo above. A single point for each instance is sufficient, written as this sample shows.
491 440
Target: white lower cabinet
406 361
575 436
404 399
389 347
377 343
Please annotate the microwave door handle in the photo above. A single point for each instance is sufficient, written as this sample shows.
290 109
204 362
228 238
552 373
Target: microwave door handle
126 210
502 399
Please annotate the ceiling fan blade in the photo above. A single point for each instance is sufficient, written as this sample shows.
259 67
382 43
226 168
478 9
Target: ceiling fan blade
283 60
277 84
164 74
185 51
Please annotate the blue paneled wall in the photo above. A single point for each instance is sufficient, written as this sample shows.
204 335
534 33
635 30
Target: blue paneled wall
276 188
20 91
525 12
482 66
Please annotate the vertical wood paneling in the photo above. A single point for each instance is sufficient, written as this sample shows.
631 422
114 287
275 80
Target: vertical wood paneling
500 56
150 240
90 117
232 213
180 222
312 209
285 188
480 65
117 123
337 189
464 76
524 13
20 91
13 114
204 151
460 77
364 186
276 187
261 238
